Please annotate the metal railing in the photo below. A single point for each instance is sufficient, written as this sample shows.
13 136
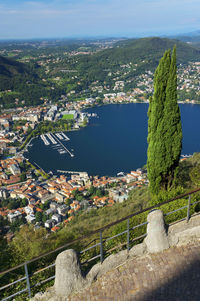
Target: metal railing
101 245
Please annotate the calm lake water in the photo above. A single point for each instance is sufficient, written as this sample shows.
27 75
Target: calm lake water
114 142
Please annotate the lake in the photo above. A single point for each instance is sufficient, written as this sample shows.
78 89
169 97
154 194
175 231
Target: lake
113 142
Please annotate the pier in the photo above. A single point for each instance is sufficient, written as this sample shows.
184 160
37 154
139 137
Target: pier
59 136
71 172
44 139
52 138
72 155
67 138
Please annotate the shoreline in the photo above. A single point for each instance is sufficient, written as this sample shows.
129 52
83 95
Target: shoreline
132 102
73 130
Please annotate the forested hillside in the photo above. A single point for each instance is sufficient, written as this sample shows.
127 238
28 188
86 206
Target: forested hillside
49 72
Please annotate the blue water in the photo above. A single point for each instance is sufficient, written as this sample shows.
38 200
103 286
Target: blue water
114 142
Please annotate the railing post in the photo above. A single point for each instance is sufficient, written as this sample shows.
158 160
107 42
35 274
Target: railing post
188 209
128 234
27 280
101 247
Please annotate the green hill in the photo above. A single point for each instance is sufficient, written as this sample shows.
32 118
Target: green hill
22 82
9 70
150 49
12 72
145 52
105 66
9 67
153 48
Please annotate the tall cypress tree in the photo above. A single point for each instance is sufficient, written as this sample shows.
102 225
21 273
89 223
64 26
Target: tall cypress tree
164 126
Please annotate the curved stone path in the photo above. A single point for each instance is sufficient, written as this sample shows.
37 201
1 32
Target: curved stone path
173 274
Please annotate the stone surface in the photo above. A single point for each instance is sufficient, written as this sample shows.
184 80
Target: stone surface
184 232
94 273
68 274
108 264
49 295
184 237
138 250
173 274
156 240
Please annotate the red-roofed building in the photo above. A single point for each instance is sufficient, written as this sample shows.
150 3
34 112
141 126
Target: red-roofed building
55 229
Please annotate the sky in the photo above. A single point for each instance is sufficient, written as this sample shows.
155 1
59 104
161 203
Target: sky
24 19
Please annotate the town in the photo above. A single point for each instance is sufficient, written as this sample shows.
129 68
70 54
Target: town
28 194
53 202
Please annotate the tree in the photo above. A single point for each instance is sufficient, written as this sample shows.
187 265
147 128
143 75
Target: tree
38 216
28 243
164 126
23 177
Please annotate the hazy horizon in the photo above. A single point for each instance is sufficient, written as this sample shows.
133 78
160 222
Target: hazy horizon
98 37
47 19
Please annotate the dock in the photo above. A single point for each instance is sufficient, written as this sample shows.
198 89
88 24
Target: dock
65 136
70 171
44 139
59 136
72 155
51 138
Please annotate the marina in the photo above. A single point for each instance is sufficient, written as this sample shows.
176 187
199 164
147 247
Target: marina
59 136
57 144
50 136
65 136
44 139
46 142
64 147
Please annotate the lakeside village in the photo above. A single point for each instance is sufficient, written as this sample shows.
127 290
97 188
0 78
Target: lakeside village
29 195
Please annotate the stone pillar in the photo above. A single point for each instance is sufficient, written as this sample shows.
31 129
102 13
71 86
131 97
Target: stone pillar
68 276
156 240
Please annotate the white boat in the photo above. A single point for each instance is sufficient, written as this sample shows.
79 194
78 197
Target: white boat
120 173
62 152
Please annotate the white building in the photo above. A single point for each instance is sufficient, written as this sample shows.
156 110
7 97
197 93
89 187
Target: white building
30 218
13 216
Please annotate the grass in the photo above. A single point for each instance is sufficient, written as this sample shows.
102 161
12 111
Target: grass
68 117
26 57
11 54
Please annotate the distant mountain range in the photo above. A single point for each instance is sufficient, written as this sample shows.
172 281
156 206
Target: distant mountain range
192 37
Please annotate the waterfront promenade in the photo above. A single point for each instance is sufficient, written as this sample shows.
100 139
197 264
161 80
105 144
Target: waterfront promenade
173 274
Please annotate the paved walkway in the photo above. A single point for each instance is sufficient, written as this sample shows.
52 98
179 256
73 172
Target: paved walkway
167 276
